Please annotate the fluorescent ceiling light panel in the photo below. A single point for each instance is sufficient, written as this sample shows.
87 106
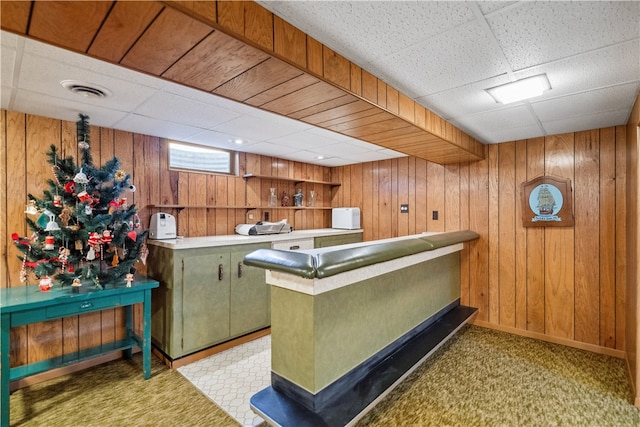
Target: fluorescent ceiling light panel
521 89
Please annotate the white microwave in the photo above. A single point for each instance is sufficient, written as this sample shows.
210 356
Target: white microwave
345 218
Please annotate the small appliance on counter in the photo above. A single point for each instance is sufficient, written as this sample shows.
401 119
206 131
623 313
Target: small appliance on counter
263 227
345 218
163 226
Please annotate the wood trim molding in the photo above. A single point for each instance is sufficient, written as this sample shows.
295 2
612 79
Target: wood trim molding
619 354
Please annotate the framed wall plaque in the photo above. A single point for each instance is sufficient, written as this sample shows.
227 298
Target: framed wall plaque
547 202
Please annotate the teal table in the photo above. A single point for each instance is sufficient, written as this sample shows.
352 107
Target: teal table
26 304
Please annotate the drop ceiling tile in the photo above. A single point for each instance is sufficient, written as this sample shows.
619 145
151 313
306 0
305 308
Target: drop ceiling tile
492 126
219 140
360 30
587 122
269 149
591 70
154 127
487 7
95 66
175 108
533 33
587 103
48 106
261 128
445 61
125 96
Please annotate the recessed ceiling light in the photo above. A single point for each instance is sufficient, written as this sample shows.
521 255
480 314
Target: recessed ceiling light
238 141
87 90
528 88
319 157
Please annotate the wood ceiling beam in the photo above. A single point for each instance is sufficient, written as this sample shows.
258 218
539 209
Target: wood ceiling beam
241 51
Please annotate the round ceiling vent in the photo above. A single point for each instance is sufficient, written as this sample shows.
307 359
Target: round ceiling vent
88 90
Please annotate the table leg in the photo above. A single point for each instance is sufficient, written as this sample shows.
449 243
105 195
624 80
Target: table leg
146 334
4 369
129 328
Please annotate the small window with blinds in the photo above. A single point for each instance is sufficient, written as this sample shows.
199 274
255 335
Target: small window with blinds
197 158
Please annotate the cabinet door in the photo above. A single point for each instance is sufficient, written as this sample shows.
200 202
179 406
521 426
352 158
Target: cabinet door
249 297
205 300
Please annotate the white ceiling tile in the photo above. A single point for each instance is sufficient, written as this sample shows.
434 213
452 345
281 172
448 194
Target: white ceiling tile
463 54
587 122
48 106
582 104
219 140
591 70
260 128
155 127
97 68
493 126
537 32
174 108
126 95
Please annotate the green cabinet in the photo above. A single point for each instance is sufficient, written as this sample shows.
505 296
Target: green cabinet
339 239
206 296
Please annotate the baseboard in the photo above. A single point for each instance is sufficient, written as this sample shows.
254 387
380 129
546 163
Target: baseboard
194 357
554 340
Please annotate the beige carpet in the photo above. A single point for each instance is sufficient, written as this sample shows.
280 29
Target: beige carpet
479 378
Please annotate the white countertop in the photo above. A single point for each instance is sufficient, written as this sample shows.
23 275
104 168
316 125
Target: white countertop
238 239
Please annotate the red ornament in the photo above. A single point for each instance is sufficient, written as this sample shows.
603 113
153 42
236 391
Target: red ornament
106 236
45 284
94 239
132 235
70 187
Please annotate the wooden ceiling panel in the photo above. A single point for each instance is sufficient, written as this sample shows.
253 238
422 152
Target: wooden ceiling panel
365 121
14 15
69 24
258 79
354 116
282 89
363 132
126 22
324 106
304 98
341 113
395 133
170 36
214 61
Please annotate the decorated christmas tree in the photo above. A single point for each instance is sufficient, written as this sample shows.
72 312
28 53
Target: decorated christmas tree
84 233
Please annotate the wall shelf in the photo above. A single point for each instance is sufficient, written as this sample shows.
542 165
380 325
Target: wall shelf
295 180
247 208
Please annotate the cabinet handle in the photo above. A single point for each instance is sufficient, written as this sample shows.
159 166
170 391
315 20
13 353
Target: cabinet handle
86 305
239 269
293 248
220 272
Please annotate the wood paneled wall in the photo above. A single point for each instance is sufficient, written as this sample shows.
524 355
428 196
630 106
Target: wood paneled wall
25 139
564 284
633 249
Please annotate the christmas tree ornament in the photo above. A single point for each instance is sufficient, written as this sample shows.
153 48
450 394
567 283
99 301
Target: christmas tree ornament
82 132
52 225
65 216
83 196
57 201
45 284
49 242
120 175
70 187
81 178
115 261
132 188
91 254
106 236
31 208
132 235
129 279
75 285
